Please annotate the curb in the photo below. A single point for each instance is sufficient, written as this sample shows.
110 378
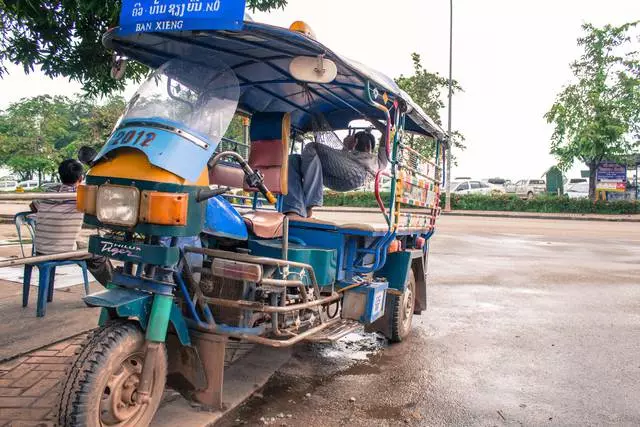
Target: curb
500 214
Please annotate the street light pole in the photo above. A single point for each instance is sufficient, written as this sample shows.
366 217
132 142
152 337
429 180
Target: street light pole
447 206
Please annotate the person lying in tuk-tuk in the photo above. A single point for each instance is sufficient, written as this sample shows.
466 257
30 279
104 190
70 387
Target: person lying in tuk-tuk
321 166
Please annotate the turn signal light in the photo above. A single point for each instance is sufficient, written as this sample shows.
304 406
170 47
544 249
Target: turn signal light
86 198
164 208
236 270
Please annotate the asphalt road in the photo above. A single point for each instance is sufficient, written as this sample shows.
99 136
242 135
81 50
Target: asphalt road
530 322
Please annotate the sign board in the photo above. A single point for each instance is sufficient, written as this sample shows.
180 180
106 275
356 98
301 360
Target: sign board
618 187
610 171
144 16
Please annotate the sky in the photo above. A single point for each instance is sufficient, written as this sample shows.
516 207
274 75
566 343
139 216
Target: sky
510 56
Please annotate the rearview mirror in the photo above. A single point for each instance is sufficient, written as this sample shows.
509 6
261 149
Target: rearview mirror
313 69
86 155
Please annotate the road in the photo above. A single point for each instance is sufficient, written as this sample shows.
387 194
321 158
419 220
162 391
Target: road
530 322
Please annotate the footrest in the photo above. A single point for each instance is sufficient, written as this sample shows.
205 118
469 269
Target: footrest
335 332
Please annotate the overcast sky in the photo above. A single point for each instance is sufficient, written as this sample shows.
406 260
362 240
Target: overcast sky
510 56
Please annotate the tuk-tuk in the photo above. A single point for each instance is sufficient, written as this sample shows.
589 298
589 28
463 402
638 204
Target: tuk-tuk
198 271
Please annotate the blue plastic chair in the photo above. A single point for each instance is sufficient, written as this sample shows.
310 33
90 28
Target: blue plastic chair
46 269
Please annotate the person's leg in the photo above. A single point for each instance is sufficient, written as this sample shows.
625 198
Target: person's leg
294 200
101 268
313 182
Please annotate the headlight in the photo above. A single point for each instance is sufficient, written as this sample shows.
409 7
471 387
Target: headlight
118 204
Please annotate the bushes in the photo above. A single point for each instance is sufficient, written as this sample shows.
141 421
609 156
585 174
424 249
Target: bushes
502 202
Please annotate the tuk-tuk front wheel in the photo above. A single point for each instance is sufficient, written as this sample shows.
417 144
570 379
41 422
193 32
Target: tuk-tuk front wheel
403 306
101 389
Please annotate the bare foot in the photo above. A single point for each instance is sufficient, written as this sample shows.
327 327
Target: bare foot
309 212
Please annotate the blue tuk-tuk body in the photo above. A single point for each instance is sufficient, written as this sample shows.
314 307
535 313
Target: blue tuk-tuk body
204 254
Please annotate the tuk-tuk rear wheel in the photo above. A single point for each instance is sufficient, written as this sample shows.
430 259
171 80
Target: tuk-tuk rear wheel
403 307
101 389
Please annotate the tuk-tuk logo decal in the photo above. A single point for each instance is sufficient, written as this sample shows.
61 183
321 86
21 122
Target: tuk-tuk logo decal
179 15
118 249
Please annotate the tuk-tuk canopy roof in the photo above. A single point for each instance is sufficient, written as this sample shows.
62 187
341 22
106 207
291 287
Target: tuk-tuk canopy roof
260 55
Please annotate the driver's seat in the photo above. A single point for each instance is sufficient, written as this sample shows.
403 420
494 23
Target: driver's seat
269 153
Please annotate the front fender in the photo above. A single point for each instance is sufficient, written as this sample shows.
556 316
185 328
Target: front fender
134 304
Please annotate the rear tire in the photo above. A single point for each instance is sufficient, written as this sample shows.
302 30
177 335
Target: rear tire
100 389
403 308
530 195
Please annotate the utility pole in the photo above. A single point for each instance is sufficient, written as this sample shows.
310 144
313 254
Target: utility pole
447 206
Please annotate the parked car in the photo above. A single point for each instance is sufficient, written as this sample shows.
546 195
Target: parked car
496 185
577 180
8 185
31 184
470 187
528 188
578 190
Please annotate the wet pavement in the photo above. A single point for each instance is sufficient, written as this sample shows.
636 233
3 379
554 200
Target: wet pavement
530 322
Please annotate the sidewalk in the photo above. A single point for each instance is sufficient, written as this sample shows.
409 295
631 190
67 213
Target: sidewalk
29 385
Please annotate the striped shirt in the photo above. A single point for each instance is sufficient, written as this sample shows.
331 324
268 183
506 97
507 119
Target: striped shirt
58 223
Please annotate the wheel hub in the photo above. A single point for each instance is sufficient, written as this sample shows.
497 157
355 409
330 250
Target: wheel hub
407 304
119 404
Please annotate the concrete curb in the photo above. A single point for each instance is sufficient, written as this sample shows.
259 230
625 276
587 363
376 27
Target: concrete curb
500 214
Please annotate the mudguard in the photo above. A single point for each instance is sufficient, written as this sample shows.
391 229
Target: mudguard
134 304
223 220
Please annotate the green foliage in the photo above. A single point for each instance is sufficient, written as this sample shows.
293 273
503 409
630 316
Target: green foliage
37 133
597 117
426 89
541 203
502 203
360 199
63 37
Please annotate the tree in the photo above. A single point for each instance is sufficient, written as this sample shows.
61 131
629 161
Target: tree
597 117
426 90
37 133
63 37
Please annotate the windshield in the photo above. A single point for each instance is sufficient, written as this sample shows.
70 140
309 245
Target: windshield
179 115
202 99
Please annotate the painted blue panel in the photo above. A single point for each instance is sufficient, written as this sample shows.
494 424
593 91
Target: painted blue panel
223 220
163 148
266 126
395 270
143 16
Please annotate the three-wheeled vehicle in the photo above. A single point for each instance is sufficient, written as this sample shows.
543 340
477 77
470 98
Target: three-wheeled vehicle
197 272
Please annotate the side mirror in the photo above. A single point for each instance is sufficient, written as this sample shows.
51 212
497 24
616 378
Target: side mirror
313 69
86 155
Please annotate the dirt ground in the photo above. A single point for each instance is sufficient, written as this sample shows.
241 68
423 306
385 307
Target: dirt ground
530 322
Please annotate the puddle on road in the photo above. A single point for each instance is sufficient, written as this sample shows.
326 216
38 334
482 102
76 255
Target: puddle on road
354 346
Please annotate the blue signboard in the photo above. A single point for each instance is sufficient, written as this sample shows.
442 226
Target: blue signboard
145 16
611 171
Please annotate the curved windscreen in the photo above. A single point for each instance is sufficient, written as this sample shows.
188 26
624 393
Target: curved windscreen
199 98
179 115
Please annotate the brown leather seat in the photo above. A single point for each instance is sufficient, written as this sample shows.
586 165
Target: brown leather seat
266 225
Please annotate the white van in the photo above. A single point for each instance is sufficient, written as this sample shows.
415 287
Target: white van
8 185
31 184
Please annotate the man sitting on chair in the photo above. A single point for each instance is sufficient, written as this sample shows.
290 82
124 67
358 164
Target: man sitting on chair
58 222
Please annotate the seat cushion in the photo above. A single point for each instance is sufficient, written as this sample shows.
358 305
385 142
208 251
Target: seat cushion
267 225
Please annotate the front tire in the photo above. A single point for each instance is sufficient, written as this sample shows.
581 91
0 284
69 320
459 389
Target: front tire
100 389
403 308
